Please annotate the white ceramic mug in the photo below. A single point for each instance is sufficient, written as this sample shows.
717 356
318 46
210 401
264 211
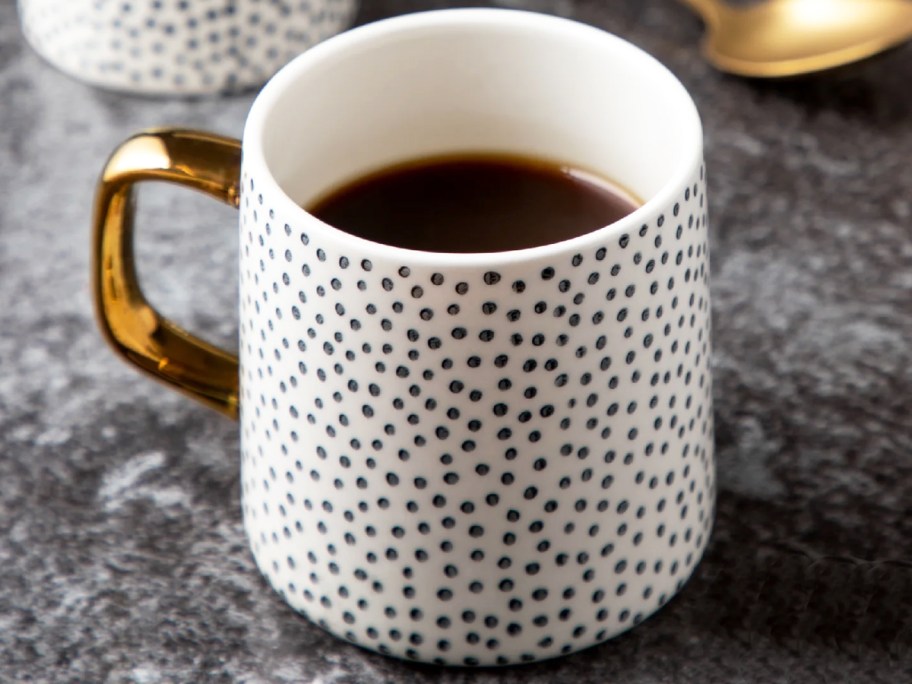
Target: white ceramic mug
474 459
184 47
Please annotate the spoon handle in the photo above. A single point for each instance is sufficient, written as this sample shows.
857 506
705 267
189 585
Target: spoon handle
710 10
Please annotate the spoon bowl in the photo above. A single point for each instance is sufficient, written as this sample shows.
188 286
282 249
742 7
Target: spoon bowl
789 37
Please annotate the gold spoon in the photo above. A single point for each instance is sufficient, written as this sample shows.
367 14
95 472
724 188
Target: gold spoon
790 37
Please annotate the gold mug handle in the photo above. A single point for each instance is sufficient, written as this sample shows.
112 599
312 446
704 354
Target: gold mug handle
205 162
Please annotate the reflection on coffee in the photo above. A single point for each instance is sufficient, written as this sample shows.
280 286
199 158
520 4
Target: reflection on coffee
474 203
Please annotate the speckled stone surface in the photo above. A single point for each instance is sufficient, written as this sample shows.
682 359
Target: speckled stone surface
122 555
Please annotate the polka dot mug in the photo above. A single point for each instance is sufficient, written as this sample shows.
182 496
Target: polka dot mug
464 459
189 47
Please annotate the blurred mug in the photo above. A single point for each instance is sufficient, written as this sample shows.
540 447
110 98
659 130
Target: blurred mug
188 47
474 458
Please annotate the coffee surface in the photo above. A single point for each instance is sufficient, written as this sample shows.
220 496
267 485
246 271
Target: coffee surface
477 203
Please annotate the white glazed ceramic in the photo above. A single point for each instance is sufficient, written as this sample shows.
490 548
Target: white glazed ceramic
475 459
164 47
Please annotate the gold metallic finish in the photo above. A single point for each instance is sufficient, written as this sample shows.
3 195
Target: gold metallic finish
780 38
204 162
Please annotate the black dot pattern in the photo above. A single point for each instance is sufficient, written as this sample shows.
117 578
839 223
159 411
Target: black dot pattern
178 46
476 465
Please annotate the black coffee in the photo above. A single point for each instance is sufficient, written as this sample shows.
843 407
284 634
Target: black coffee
478 203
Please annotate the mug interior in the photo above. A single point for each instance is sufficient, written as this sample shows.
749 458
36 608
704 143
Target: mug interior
495 81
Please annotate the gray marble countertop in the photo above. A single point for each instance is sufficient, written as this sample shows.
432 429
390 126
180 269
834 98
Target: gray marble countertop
122 554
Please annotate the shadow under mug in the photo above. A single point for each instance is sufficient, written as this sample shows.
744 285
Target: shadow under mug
471 459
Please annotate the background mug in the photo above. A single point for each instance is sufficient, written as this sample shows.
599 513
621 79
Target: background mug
164 47
480 458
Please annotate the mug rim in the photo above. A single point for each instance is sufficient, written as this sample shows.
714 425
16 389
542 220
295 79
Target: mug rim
266 100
